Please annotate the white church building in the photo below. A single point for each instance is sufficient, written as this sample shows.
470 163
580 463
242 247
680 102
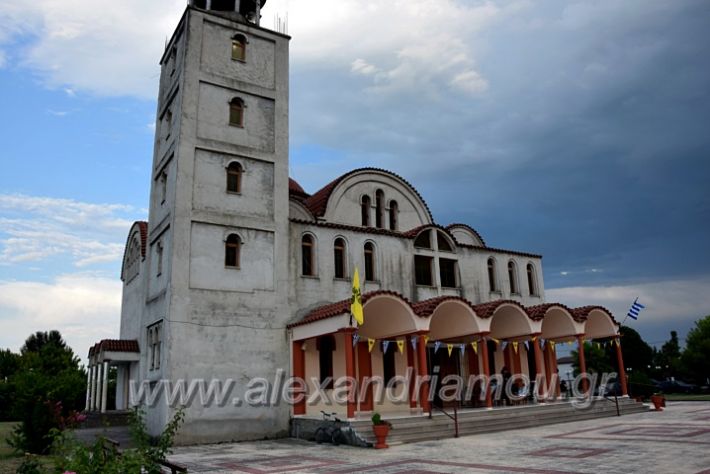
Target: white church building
240 273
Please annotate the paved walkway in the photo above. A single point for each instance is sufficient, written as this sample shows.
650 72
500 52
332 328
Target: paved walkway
674 441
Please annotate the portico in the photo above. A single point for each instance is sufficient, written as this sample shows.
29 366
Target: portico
122 354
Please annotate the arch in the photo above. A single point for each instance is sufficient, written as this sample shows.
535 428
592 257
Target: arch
138 237
239 47
234 177
531 279
393 214
423 239
492 274
379 209
308 253
598 322
340 258
466 235
513 277
557 321
454 317
508 319
370 261
365 205
388 314
443 243
232 251
236 112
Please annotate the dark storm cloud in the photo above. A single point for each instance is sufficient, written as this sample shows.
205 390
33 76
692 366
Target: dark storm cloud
590 145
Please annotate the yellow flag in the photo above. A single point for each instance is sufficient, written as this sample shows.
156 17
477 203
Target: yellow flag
515 346
474 344
356 300
400 346
552 344
370 344
450 347
497 341
426 339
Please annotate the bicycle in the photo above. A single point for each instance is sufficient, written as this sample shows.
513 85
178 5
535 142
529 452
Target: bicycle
330 431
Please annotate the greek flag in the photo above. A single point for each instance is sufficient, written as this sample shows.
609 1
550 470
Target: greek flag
635 308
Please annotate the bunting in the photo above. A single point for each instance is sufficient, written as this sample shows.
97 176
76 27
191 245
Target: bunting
437 344
474 345
356 337
370 344
385 345
450 347
414 342
400 346
515 346
462 348
426 340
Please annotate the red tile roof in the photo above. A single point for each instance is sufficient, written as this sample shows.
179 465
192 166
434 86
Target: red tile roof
143 229
538 312
318 202
114 345
582 313
468 227
427 307
486 310
295 190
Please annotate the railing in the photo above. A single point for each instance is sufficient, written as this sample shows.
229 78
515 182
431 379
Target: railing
455 417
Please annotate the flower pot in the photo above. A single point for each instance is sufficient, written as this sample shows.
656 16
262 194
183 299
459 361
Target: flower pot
381 432
659 401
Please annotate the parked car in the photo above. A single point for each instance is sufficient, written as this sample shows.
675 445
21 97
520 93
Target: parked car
611 389
677 386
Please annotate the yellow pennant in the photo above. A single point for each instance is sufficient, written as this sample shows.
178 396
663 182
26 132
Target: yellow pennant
426 340
618 344
534 338
474 344
599 346
552 344
497 341
450 347
400 346
515 346
370 344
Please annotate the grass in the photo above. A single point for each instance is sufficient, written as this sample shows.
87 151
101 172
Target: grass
687 397
9 459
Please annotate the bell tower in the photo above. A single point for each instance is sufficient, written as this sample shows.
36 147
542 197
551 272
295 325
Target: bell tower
218 219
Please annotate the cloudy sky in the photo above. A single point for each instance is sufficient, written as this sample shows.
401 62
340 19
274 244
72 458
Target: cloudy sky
579 130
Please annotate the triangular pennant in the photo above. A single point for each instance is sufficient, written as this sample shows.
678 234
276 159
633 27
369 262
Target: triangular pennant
370 344
534 338
618 344
496 341
542 343
505 344
599 346
437 344
385 345
356 337
552 344
527 346
414 342
426 340
400 346
462 348
450 348
474 344
515 346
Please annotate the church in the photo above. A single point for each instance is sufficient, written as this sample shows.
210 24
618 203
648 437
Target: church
239 273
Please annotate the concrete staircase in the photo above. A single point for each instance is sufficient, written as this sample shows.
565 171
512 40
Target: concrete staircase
413 429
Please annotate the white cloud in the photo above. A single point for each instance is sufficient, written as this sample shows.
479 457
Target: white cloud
667 302
471 82
85 308
37 228
360 66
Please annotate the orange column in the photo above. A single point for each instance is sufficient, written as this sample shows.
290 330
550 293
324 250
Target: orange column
299 370
539 365
622 370
422 372
486 371
582 361
350 368
364 371
410 365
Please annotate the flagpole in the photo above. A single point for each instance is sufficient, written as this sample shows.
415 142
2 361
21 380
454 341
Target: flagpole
627 314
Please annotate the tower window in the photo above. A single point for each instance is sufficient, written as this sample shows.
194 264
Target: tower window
492 274
365 205
512 277
423 240
422 270
223 5
447 272
232 250
532 287
339 258
325 346
369 261
307 267
234 177
159 256
239 47
443 243
379 209
168 123
155 339
200 4
173 59
163 183
394 211
236 112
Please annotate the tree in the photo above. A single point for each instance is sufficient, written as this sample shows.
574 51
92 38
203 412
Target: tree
597 361
668 358
697 347
9 363
638 356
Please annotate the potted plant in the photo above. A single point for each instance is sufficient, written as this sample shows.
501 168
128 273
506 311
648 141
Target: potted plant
659 401
381 428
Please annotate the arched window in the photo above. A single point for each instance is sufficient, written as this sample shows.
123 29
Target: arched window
443 243
379 209
234 177
492 274
513 277
307 253
394 211
423 240
232 248
369 261
532 287
223 5
236 112
326 346
339 258
239 47
365 205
